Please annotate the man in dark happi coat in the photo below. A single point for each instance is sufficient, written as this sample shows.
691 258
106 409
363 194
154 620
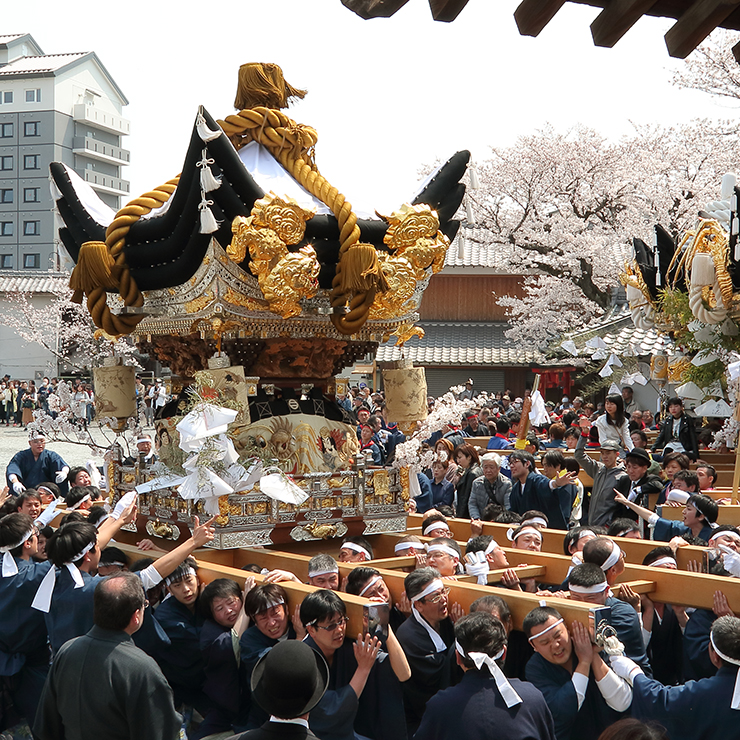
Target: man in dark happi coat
583 694
707 709
427 638
485 704
101 685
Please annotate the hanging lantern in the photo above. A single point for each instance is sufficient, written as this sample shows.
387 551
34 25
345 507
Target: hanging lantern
115 391
659 367
405 395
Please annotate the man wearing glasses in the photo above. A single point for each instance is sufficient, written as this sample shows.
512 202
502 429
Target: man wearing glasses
427 637
364 694
126 696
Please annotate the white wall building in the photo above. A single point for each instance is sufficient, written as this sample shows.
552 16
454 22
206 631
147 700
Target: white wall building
53 108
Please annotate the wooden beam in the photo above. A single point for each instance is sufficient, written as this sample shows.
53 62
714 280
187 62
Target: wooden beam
695 24
368 9
616 19
213 564
446 10
533 15
520 602
552 540
672 586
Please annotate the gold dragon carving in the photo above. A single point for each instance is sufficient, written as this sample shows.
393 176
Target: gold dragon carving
285 277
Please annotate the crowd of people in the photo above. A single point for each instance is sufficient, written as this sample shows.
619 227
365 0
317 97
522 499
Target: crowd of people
95 645
20 398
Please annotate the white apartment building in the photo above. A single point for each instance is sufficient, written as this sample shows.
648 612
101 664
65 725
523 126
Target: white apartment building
53 108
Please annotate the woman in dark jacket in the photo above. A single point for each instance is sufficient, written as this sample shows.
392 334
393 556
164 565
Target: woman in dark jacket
468 461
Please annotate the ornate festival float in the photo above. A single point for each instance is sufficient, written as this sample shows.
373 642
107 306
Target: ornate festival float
257 283
689 289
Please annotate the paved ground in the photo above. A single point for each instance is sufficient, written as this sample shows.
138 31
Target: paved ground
14 439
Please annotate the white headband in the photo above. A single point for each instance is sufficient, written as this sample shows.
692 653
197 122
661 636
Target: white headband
735 703
492 545
401 546
726 533
538 520
80 502
547 629
433 586
613 559
502 683
370 584
10 567
270 605
449 550
667 560
675 495
595 589
524 530
42 600
356 548
435 525
180 577
587 533
143 439
315 573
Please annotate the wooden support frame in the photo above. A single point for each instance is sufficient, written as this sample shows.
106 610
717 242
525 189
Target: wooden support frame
552 540
446 10
616 19
212 564
671 586
532 16
464 593
695 24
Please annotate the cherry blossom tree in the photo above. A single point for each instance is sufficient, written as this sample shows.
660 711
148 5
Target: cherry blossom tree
62 328
565 206
712 67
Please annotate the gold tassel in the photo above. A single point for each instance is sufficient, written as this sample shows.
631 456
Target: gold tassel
361 270
93 270
264 84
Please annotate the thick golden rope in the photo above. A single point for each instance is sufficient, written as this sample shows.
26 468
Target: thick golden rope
292 145
121 279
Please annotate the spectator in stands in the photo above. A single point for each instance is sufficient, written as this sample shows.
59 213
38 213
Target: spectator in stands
500 441
491 487
556 434
707 475
469 462
443 492
613 424
677 432
572 435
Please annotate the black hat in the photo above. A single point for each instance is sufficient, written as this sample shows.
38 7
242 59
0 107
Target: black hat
640 455
289 680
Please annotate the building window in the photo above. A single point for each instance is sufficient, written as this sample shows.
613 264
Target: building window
6 163
32 128
6 130
6 261
31 161
33 96
7 96
6 228
31 228
31 261
6 195
30 195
